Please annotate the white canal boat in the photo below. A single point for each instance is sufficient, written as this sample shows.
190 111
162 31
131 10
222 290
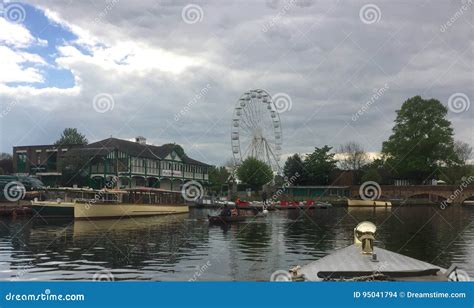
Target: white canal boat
108 203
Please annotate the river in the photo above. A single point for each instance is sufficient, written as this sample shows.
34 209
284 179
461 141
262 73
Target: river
184 247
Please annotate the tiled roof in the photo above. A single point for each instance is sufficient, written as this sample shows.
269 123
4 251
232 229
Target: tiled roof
134 149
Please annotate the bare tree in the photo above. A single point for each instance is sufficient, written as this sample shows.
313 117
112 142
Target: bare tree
352 156
463 151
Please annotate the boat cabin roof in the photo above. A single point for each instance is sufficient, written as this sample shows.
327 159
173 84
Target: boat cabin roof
349 262
151 190
113 191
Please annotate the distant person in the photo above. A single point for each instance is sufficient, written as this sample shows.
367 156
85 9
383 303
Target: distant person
226 211
264 197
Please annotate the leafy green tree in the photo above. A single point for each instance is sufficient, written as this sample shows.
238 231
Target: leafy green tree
218 177
294 165
254 173
319 165
422 140
372 175
71 136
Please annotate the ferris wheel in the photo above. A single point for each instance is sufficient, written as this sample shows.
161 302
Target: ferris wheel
256 129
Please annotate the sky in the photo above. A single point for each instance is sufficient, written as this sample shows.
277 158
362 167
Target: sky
173 71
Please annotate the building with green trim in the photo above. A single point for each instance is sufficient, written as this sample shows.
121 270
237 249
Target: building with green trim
127 164
138 164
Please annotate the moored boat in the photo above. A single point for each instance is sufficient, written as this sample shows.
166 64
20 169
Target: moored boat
356 202
108 203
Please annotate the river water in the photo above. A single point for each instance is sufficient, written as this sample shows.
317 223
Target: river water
185 247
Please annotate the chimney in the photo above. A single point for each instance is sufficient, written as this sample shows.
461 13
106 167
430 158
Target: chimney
140 140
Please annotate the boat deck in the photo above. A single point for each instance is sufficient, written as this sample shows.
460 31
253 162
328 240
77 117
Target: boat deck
349 262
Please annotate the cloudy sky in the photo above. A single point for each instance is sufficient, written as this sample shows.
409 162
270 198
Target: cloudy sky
173 71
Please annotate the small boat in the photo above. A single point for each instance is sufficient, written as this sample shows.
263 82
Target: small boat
322 205
225 219
364 262
79 203
372 203
211 202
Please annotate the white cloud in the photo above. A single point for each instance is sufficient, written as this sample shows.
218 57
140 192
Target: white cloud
14 68
16 35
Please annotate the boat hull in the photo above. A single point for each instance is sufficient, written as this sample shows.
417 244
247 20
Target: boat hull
368 203
98 211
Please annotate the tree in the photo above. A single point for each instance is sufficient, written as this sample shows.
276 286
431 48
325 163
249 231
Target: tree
353 156
294 165
422 139
372 175
463 151
71 136
6 163
218 177
254 173
319 165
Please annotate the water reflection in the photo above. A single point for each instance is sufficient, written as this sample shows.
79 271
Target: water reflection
176 247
